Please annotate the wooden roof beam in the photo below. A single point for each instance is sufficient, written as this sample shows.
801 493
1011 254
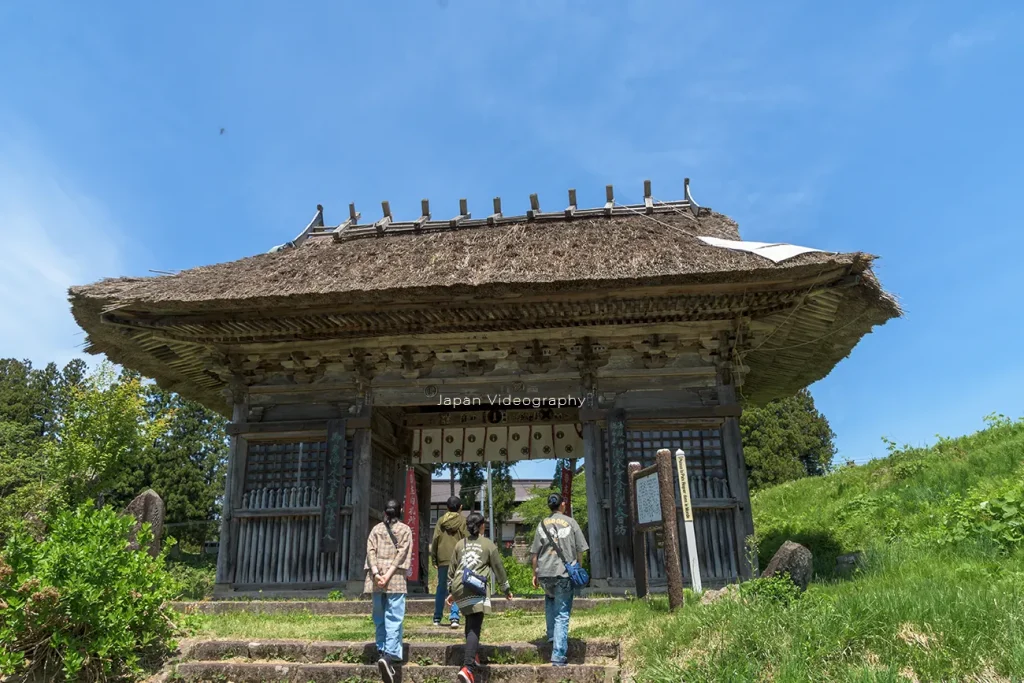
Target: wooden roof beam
648 199
534 207
572 204
384 222
497 212
353 218
424 217
609 200
463 214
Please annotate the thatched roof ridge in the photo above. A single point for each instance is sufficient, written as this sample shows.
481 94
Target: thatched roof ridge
386 278
565 255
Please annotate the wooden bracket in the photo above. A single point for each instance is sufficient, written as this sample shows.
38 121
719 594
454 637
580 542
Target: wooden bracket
383 223
572 204
425 211
463 214
497 211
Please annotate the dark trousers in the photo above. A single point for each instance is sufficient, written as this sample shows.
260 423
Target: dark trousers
474 622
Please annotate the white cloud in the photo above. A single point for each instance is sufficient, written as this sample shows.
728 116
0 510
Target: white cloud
962 42
52 236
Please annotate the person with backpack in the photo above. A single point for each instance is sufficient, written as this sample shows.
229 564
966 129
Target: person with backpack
450 529
388 557
474 561
557 558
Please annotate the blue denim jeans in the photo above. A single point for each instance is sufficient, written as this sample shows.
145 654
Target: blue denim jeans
388 617
558 595
441 594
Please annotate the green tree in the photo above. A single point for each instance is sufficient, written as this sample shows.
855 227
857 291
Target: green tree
31 403
786 439
535 508
104 434
186 462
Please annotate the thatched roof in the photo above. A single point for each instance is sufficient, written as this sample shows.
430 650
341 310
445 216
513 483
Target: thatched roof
413 264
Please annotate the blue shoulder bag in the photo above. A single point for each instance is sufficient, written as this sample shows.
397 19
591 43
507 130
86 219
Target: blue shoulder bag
578 576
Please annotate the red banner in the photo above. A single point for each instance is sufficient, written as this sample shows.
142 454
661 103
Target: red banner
567 473
411 515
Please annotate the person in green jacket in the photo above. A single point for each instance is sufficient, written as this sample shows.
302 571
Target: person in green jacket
450 529
475 560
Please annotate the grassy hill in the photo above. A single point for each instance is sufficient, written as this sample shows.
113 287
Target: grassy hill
940 596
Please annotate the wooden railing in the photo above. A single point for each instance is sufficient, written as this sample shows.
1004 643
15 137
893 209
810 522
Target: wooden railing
279 533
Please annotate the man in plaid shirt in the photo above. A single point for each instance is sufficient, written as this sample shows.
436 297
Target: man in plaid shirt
388 556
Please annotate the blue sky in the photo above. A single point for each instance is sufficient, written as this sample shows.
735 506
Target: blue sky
891 128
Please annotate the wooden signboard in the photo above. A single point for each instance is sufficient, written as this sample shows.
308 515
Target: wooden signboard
646 499
619 481
653 498
333 489
691 534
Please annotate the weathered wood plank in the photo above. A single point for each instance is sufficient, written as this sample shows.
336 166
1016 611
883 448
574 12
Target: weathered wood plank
732 448
333 486
361 470
234 481
592 466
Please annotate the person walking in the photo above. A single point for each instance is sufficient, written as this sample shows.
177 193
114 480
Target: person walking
388 555
474 561
550 572
450 529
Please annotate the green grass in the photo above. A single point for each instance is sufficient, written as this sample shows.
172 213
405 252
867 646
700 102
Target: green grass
931 603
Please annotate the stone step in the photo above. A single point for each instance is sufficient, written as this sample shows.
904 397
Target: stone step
603 652
256 672
360 607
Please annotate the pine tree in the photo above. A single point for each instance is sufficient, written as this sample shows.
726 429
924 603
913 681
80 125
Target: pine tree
786 439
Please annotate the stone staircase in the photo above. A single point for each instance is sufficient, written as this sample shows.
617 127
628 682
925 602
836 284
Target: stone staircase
413 606
296 661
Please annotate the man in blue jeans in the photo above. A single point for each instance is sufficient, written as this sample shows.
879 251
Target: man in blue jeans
450 529
549 571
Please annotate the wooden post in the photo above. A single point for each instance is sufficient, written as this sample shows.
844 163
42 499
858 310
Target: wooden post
599 560
363 462
639 538
233 485
732 449
673 567
619 482
333 487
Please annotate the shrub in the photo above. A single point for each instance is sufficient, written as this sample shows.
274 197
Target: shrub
775 589
195 576
995 516
80 605
520 576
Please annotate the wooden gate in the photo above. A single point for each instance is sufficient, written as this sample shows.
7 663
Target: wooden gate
715 509
279 523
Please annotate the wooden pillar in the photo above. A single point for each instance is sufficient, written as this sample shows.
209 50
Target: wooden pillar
670 528
732 446
594 476
233 484
639 537
361 467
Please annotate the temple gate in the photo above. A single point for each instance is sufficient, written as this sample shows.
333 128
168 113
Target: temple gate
356 351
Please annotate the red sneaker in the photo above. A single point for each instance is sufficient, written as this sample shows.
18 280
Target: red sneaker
465 676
